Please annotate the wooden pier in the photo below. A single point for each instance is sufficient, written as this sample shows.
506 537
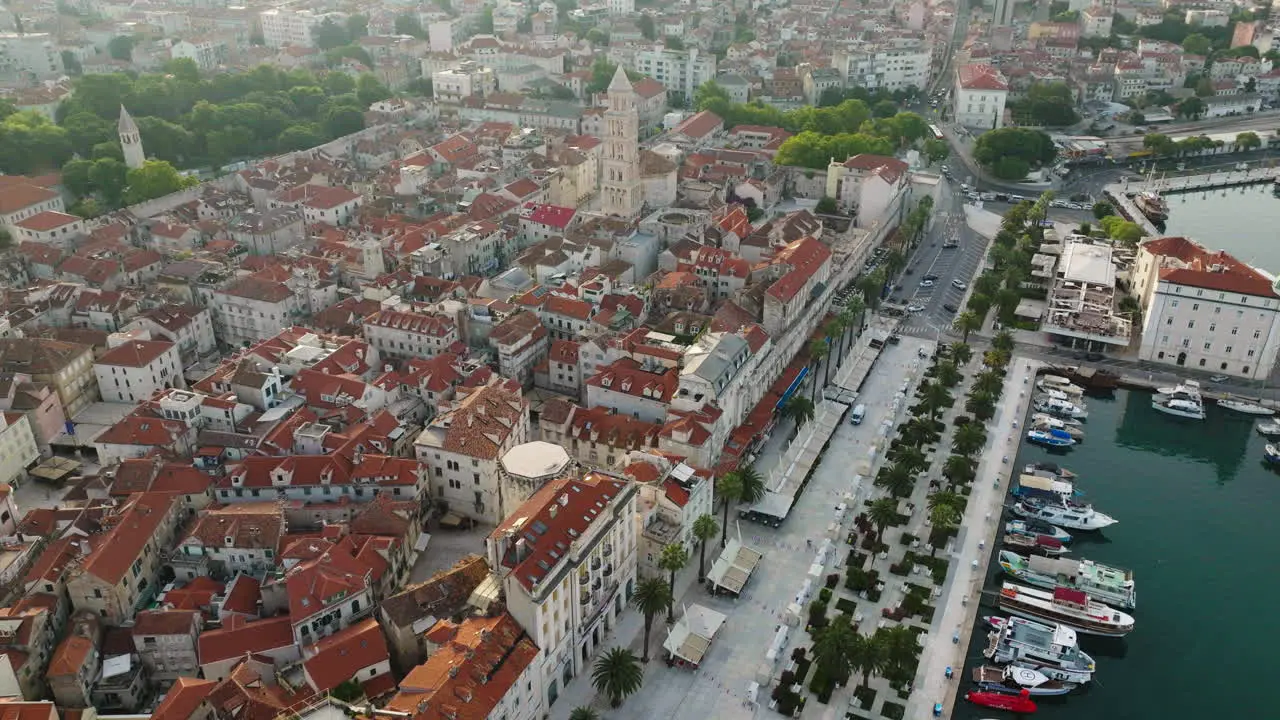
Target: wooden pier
1121 193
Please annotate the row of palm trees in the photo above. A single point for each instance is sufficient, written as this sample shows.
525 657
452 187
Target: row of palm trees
839 650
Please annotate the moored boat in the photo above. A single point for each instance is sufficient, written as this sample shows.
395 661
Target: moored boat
1271 454
1071 515
1015 679
1067 422
1059 408
1053 469
1047 424
1268 429
1184 401
1021 703
1050 438
1057 382
1035 544
1045 487
1247 408
1051 648
1111 585
1091 379
1152 204
1037 527
1073 608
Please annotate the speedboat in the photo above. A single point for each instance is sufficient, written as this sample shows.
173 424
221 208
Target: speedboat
1036 527
1021 703
1051 648
1015 679
1183 401
1071 515
1059 408
1047 423
1111 585
1050 438
1064 606
1059 383
1268 429
1053 469
1247 408
1066 421
1035 544
1271 454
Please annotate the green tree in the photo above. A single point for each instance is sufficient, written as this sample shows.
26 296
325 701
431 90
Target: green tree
357 26
329 35
935 399
981 405
674 558
86 208
647 29
71 63
833 647
866 655
818 351
370 90
1050 104
652 596
300 137
1010 152
1197 44
1159 145
156 178
969 439
948 374
962 353
1192 107
585 713
75 177
183 70
967 322
673 43
484 23
799 408
896 479
958 469
743 485
1003 340
617 673
1102 209
343 120
988 381
827 206
936 150
120 47
704 530
1248 141
883 513
408 24
109 177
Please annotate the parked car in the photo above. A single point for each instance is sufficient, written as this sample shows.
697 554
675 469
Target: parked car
930 276
926 283
950 308
959 284
950 245
915 308
1218 378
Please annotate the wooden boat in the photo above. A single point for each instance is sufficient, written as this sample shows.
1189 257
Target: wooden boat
1091 379
1013 679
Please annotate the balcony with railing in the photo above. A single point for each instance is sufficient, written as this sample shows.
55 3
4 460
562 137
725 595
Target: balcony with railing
608 570
583 579
584 598
595 563
602 599
608 550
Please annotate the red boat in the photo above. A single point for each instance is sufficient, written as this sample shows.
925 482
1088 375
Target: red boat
1021 703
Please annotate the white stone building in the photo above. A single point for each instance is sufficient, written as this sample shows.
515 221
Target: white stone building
462 447
18 450
36 54
206 53
187 326
1205 310
253 309
21 200
979 98
681 71
405 334
469 79
884 68
620 189
283 26
567 561
135 369
871 186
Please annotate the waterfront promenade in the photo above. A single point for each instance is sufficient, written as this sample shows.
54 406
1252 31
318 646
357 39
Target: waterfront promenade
1120 193
975 542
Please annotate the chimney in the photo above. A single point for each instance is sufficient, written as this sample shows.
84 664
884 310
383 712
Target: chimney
84 547
522 550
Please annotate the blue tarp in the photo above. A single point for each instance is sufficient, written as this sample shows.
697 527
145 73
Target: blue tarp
792 387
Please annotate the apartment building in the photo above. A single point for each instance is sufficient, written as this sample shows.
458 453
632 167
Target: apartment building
18 448
872 187
135 370
407 334
1205 309
20 199
284 26
253 309
187 326
237 538
680 71
462 447
34 55
567 561
67 367
468 79
521 341
207 53
166 642
884 68
980 94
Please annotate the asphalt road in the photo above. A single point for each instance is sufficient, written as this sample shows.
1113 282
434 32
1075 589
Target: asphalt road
930 258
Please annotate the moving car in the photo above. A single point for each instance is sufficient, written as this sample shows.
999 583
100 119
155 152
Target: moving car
915 308
930 276
950 245
959 284
926 283
1218 378
949 308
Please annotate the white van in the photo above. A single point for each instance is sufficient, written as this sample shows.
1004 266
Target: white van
858 414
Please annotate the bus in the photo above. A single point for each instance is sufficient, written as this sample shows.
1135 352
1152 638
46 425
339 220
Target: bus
937 134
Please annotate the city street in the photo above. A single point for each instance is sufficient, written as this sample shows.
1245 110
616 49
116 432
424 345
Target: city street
949 264
719 688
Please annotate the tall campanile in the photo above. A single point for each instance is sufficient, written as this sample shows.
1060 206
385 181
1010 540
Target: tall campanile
620 189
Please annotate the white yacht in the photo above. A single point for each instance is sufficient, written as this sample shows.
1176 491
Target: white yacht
1059 407
1064 514
1050 648
1073 608
1245 407
1065 387
1182 401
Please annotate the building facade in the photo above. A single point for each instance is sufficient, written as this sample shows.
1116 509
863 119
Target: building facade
980 94
620 189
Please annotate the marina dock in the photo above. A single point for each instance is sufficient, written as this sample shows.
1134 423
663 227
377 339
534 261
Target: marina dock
1121 193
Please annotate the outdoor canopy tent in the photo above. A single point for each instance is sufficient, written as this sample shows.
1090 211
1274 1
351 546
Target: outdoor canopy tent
692 634
734 566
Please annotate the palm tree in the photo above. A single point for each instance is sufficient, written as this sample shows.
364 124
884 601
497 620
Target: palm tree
943 517
849 318
651 598
833 646
704 529
901 647
743 485
967 322
584 713
948 374
948 498
1003 341
958 469
799 409
969 439
673 559
988 381
833 330
913 459
818 350
962 353
995 359
936 398
866 655
883 513
918 432
896 479
857 307
617 673
981 405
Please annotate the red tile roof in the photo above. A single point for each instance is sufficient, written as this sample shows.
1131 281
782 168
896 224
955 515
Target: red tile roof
806 257
165 622
70 656
565 507
183 699
134 526
315 584
19 195
237 638
253 288
625 375
476 665
890 169
981 76
1187 263
48 220
569 307
327 198
135 353
700 125
345 655
551 215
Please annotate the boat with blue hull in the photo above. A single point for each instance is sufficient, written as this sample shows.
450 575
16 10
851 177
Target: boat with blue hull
1051 438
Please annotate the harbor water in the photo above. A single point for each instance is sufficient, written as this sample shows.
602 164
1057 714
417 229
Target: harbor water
1240 220
1198 525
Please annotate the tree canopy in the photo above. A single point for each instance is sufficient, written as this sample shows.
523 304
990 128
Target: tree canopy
1049 104
1010 153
